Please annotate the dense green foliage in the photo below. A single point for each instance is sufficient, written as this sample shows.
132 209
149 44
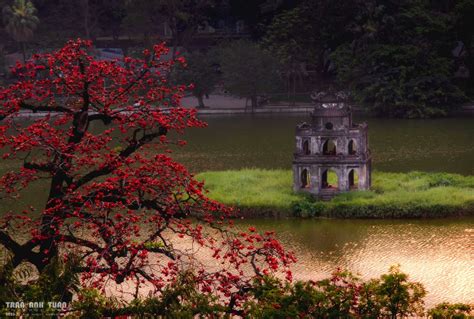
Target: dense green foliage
402 65
393 195
395 56
308 33
343 295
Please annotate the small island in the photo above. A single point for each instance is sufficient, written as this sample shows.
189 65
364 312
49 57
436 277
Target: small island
269 193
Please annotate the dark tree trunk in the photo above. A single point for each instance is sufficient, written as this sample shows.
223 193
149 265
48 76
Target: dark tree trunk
50 222
254 102
23 50
147 39
175 37
200 98
85 4
48 247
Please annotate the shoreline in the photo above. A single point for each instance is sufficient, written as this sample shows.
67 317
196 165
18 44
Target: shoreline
467 110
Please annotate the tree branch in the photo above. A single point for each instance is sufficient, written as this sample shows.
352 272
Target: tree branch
162 251
82 242
131 148
45 108
9 243
39 167
20 252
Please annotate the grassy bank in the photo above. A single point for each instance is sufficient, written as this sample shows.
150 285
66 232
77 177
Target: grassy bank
393 195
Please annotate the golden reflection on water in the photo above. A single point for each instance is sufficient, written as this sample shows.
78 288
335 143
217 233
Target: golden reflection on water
437 253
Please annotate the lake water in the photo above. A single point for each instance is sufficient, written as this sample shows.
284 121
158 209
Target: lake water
233 142
439 253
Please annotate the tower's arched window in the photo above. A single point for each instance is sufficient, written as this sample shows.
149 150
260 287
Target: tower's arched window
328 126
352 148
305 177
353 179
329 148
329 179
306 149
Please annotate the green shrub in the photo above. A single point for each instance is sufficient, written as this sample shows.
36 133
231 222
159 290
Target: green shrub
180 299
447 310
91 304
399 297
341 296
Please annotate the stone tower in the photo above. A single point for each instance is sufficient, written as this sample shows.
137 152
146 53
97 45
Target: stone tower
332 154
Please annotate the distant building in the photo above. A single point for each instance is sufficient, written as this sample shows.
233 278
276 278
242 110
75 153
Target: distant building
332 154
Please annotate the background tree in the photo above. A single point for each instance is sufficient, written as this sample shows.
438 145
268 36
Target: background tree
182 17
305 36
114 198
464 29
20 21
257 14
54 13
249 71
400 62
142 18
290 37
91 11
200 71
112 17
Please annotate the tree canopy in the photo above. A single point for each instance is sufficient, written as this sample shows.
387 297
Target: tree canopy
200 71
248 70
20 21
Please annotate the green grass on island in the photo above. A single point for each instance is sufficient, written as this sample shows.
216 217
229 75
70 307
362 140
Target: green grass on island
258 192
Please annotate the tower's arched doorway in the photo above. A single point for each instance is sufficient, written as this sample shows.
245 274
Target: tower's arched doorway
306 149
329 179
352 148
329 148
305 178
353 179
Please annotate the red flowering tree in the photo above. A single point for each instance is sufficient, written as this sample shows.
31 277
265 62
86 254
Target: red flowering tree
115 198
